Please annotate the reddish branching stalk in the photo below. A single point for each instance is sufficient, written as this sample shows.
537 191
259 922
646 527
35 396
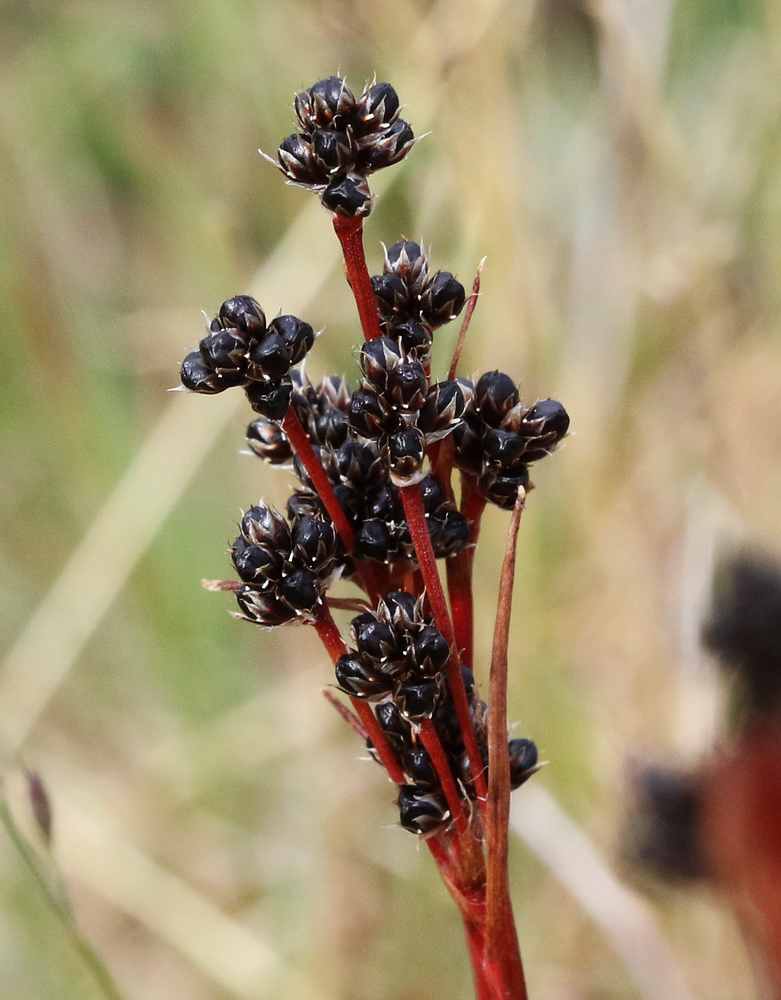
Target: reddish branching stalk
303 448
471 302
350 233
460 567
331 638
502 957
416 519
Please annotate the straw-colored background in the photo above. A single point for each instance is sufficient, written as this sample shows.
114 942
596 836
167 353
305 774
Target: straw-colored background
618 163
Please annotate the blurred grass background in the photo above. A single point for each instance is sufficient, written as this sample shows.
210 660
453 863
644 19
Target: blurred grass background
618 163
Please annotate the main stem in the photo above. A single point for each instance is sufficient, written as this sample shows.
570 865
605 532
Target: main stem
350 233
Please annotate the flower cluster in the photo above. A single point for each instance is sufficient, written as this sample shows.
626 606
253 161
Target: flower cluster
242 349
499 436
286 568
341 140
410 304
399 663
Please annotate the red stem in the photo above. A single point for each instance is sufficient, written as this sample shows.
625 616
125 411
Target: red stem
350 233
421 540
303 448
429 737
502 954
459 569
471 302
335 645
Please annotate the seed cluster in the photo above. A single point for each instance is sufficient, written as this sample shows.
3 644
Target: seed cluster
499 436
398 663
410 304
241 349
341 140
286 567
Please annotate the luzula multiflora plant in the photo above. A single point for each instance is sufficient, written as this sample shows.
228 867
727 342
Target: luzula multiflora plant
376 505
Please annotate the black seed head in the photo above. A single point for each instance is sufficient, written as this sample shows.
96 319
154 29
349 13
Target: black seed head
405 452
299 589
358 676
495 395
198 377
265 526
348 195
430 650
269 441
243 313
388 147
416 700
299 164
523 761
270 397
256 564
378 106
297 336
263 608
420 812
442 299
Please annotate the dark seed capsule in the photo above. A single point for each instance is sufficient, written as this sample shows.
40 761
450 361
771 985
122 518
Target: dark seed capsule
314 542
547 416
357 676
407 260
367 415
374 541
322 103
265 526
502 448
419 767
332 428
270 397
299 589
348 196
243 313
379 105
502 490
256 564
416 700
405 451
414 338
495 395
375 639
377 358
399 607
392 296
225 352
453 533
299 163
390 146
269 441
430 650
198 377
432 494
442 299
407 385
334 150
442 409
263 608
397 731
269 357
420 812
523 761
